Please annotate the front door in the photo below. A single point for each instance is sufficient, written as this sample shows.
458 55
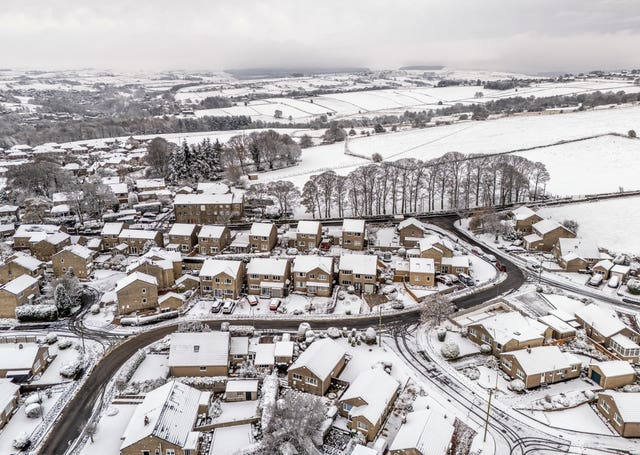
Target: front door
265 292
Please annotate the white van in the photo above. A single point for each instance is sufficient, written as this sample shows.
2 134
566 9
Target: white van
228 307
614 281
595 280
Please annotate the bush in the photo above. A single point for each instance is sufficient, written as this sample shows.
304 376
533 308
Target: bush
36 313
65 343
516 385
95 308
302 330
72 369
370 336
33 410
21 441
333 332
450 350
485 349
632 133
633 286
51 338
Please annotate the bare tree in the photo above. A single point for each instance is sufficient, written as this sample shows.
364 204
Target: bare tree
436 310
157 157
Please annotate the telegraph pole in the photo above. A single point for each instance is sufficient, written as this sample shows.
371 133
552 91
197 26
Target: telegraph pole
380 327
486 421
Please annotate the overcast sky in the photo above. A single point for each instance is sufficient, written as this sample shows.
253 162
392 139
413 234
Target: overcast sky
513 35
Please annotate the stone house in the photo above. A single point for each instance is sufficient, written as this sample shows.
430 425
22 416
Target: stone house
263 237
208 208
540 365
308 235
411 231
353 234
76 257
313 275
313 369
612 374
545 234
620 409
222 278
137 292
16 292
523 218
21 264
137 239
110 235
268 277
359 271
213 239
199 354
184 236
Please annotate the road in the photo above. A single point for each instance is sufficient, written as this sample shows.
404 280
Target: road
77 413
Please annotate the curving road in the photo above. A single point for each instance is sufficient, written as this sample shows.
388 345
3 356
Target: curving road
76 414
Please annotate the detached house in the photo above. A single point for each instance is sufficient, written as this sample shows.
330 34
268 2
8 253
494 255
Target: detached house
263 237
620 409
416 271
163 423
313 275
523 218
411 232
573 254
137 292
16 292
27 234
545 234
9 396
313 369
308 235
199 354
268 277
368 400
213 239
22 361
425 432
359 271
110 235
76 257
45 248
605 328
160 269
137 239
353 234
436 248
222 278
541 365
183 236
21 264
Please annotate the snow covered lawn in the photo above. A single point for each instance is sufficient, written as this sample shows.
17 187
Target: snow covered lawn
236 412
63 356
109 430
154 366
581 418
229 440
467 347
364 357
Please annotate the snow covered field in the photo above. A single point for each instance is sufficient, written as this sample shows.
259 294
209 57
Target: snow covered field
605 222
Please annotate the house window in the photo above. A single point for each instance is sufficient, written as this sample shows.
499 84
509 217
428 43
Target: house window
144 300
301 284
312 276
171 452
218 280
62 260
228 292
605 406
520 374
312 381
362 426
617 419
144 290
301 243
322 277
184 247
255 286
145 452
203 368
346 282
255 276
347 407
507 363
357 275
196 348
157 452
214 249
227 281
296 377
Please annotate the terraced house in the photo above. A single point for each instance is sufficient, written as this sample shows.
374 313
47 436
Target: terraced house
208 208
213 239
313 275
263 236
308 235
268 277
222 278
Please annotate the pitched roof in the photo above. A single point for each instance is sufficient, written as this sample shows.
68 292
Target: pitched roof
308 227
30 230
26 261
522 213
546 226
353 226
112 228
137 234
305 264
583 248
169 411
129 279
504 327
213 267
78 250
543 359
411 222
18 356
18 285
199 349
182 229
196 199
268 266
628 405
421 265
603 321
376 388
359 263
428 431
320 358
211 232
615 368
261 229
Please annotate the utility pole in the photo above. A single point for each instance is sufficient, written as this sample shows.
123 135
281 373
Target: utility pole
380 327
486 421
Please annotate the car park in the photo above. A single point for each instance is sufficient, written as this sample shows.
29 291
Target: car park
216 306
275 304
228 307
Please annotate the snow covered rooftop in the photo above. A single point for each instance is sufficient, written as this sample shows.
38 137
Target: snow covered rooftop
628 405
267 266
57 238
204 199
261 229
320 358
411 222
29 230
79 250
355 226
583 248
211 232
265 354
376 388
304 264
18 356
242 385
556 324
28 262
456 261
605 322
137 234
7 392
308 227
612 368
213 267
546 226
427 431
511 325
170 295
182 229
20 284
543 359
199 349
284 349
143 184
239 346
212 188
135 276
168 412
119 188
522 213
605 264
421 265
359 263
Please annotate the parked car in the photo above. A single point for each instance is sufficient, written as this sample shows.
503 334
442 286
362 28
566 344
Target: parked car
253 300
476 251
490 258
216 306
453 278
444 279
533 266
500 266
614 281
466 279
228 307
397 305
595 280
275 304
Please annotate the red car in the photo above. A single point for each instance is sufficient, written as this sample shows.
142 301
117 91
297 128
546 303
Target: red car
500 266
252 299
274 304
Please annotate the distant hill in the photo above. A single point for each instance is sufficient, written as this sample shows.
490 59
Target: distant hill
260 73
422 68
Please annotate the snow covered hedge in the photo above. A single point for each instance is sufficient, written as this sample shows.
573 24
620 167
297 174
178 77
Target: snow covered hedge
202 382
72 369
36 313
633 286
22 441
450 350
269 396
127 371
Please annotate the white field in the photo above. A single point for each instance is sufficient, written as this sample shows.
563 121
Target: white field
612 223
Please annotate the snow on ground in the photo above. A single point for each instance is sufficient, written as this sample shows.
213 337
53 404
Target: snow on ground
581 418
62 357
236 411
605 222
482 270
229 440
366 356
154 366
110 428
467 347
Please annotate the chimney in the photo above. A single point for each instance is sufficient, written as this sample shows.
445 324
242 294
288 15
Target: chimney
529 350
146 420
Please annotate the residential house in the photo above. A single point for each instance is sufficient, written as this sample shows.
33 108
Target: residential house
313 275
137 292
436 248
612 374
264 357
184 236
45 248
121 192
21 264
188 283
10 211
368 400
159 254
16 292
353 234
604 327
603 268
239 350
150 184
7 230
9 397
455 264
540 365
313 369
199 354
545 234
110 235
574 254
416 271
74 257
359 271
137 240
208 208
523 218
213 239
263 237
425 432
283 352
163 423
620 409
22 361
507 331
241 390
268 277
170 301
560 329
26 234
222 278
411 232
308 235
240 243
160 269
